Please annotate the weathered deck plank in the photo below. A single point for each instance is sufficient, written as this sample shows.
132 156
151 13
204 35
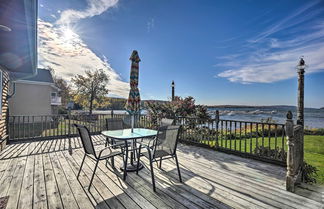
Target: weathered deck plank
52 192
42 174
26 194
95 197
80 196
66 193
40 199
17 178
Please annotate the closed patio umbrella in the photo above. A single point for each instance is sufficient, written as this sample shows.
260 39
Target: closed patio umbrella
134 100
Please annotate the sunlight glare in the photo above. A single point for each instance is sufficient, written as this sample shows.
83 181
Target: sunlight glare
68 34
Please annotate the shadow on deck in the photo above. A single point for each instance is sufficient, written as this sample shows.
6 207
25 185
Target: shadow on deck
42 174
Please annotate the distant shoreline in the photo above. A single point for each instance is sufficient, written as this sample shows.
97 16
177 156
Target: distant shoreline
257 106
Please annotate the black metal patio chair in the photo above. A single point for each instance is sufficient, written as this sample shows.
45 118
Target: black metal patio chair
89 150
114 124
166 122
163 122
163 147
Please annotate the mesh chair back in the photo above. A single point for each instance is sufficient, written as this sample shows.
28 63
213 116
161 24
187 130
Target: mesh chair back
167 139
128 120
85 139
166 122
114 124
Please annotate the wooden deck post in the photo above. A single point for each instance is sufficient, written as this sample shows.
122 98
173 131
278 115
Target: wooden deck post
300 99
290 155
295 157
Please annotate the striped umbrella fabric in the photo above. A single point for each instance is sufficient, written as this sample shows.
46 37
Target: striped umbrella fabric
134 100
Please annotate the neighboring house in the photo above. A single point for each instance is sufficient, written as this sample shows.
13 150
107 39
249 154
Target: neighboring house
37 95
18 50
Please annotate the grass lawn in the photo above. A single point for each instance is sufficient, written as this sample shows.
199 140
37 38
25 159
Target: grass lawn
314 154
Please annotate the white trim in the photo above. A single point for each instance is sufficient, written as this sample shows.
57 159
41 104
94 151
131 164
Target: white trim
34 82
39 83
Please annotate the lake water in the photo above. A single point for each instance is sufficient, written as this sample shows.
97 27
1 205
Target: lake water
314 118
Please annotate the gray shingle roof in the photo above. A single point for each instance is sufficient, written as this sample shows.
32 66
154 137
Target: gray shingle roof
43 75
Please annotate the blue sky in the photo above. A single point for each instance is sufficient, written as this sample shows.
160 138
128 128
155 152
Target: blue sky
219 52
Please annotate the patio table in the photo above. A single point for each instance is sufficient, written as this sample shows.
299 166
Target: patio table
127 135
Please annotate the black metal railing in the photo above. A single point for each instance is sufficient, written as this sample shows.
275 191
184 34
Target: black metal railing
264 141
54 126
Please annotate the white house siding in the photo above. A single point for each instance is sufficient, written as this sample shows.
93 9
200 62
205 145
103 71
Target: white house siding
31 99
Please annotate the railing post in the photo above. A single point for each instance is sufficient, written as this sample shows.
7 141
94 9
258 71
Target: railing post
217 122
289 128
69 118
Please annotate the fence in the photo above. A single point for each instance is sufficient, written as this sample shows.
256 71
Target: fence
53 126
264 141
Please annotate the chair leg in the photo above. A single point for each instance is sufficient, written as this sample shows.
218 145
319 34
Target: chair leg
106 144
138 159
112 162
125 162
94 171
152 174
81 166
177 162
160 166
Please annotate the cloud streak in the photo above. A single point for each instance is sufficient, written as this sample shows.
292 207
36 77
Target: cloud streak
95 7
273 54
63 50
71 57
150 25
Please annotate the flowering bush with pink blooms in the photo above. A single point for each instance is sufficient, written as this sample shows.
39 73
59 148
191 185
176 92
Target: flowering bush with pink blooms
180 107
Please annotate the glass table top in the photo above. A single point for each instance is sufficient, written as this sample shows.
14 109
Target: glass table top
128 134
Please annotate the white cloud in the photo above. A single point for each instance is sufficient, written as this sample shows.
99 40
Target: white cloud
54 16
275 58
63 50
276 66
150 25
299 16
72 56
95 7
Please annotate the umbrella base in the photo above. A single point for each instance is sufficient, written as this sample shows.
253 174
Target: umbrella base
132 167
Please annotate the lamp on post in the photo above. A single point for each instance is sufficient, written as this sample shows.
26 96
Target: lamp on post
300 100
172 85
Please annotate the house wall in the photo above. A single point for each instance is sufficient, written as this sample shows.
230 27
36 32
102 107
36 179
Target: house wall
4 110
31 99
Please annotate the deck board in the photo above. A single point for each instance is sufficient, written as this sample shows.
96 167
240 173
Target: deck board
42 174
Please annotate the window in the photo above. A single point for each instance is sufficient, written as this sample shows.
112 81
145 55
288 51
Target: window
53 94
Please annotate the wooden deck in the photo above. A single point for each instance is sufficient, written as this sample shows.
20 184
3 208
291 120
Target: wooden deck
42 174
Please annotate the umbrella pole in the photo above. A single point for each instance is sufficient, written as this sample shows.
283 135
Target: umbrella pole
132 123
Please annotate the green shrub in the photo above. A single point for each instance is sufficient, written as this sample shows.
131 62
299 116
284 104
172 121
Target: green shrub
309 173
277 153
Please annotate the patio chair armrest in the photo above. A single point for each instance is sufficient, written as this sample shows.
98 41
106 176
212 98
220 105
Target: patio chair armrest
108 147
148 144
